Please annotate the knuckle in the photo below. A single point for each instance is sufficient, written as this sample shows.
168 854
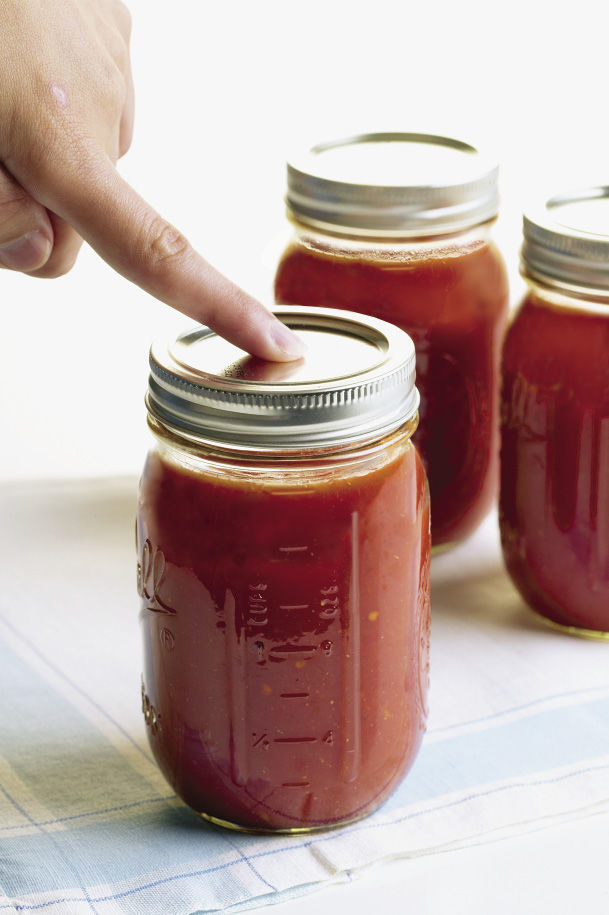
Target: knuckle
163 245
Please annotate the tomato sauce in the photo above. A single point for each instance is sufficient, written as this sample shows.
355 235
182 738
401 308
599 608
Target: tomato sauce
452 301
286 620
555 461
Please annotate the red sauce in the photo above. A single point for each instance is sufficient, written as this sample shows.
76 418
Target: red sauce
555 461
286 637
453 305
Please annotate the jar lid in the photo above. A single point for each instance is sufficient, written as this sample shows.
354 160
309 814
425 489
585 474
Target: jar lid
401 184
566 241
355 383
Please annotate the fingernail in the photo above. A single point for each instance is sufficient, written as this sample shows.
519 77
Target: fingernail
287 341
26 253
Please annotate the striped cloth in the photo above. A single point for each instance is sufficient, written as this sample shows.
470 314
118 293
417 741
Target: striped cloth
519 733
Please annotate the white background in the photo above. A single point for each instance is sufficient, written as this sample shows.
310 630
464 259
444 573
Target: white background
225 91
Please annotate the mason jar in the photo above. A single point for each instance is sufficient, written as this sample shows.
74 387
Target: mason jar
554 505
283 567
398 225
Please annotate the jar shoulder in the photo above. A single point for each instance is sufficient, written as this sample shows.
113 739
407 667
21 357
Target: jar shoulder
559 347
425 283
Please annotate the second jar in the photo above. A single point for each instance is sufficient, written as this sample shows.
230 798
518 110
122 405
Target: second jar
397 225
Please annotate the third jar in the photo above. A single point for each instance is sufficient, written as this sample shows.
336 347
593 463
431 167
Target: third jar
397 225
554 507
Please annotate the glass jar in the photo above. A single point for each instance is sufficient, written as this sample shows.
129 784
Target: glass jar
554 504
283 540
398 226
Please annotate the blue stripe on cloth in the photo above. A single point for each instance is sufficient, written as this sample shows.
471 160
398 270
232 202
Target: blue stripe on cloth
51 746
548 740
90 813
117 849
75 686
58 854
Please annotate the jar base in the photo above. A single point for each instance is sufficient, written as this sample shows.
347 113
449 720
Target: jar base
285 831
596 635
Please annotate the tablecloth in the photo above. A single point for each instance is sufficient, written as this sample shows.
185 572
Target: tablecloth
518 737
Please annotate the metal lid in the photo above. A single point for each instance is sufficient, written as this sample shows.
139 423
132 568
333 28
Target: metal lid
566 241
396 184
354 383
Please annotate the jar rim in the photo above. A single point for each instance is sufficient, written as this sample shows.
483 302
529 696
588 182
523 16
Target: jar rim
562 247
355 382
420 185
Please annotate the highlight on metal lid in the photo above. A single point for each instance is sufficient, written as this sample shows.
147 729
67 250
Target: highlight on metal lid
355 383
566 241
393 184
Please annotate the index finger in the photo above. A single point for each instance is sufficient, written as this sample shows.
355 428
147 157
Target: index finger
146 249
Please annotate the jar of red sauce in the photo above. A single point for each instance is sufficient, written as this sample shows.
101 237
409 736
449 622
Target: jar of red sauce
283 541
397 225
554 504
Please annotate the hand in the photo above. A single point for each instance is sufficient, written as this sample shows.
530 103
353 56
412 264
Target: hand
66 117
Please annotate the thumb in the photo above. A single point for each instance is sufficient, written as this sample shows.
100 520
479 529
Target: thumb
146 249
26 233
